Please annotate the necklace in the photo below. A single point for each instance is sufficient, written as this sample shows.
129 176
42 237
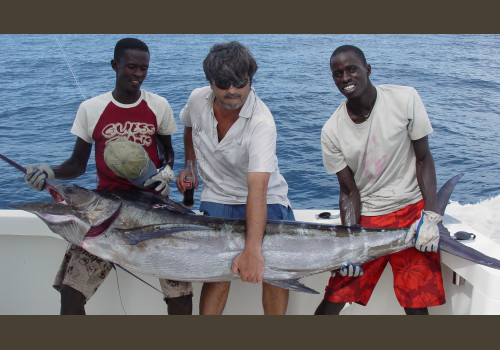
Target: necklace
366 116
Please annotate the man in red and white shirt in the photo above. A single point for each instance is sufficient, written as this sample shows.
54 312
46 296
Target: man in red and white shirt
127 113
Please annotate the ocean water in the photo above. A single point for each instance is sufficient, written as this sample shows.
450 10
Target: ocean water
45 77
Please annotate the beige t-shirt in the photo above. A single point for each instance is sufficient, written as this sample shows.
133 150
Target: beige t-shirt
379 151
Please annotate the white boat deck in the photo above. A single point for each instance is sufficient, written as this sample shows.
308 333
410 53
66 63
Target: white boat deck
30 255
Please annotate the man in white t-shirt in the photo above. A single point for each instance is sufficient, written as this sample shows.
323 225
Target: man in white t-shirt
126 113
232 135
376 143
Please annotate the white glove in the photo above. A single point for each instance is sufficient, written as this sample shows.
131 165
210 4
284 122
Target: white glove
164 176
36 175
350 270
426 232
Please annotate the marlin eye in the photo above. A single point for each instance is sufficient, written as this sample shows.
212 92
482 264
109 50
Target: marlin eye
70 189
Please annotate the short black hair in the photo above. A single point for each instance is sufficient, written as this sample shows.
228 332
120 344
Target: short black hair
129 43
229 61
349 48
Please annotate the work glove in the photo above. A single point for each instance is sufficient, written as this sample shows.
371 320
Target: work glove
163 177
349 270
36 176
426 232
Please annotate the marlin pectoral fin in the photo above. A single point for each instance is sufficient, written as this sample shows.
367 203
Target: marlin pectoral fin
294 285
99 229
143 233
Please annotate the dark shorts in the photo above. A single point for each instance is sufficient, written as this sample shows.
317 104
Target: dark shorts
418 282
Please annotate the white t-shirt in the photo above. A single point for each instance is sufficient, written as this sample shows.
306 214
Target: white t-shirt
379 151
248 146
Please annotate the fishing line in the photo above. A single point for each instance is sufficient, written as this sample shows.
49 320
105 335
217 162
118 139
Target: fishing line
70 68
140 279
74 76
119 292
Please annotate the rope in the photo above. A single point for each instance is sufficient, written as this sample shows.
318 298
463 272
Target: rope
69 66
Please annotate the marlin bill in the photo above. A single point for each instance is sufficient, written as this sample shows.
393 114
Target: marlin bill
147 233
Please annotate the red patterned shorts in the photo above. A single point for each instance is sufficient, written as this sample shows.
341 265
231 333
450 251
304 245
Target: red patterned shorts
418 282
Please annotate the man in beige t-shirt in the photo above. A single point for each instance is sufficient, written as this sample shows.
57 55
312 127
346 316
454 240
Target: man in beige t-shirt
376 143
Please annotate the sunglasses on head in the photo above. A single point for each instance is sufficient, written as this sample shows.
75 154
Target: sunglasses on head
226 84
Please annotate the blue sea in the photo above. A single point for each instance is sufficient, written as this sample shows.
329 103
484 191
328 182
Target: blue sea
45 77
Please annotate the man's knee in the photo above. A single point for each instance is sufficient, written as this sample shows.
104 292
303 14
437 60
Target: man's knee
274 299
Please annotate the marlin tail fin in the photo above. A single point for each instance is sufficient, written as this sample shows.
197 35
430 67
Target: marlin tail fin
450 244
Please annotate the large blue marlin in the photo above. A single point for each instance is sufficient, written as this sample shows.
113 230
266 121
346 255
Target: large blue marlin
147 233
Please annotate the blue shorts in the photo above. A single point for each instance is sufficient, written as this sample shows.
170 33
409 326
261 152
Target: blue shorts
237 211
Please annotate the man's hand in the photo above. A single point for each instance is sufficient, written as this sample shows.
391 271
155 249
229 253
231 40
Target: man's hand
163 177
250 266
36 176
350 270
426 232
